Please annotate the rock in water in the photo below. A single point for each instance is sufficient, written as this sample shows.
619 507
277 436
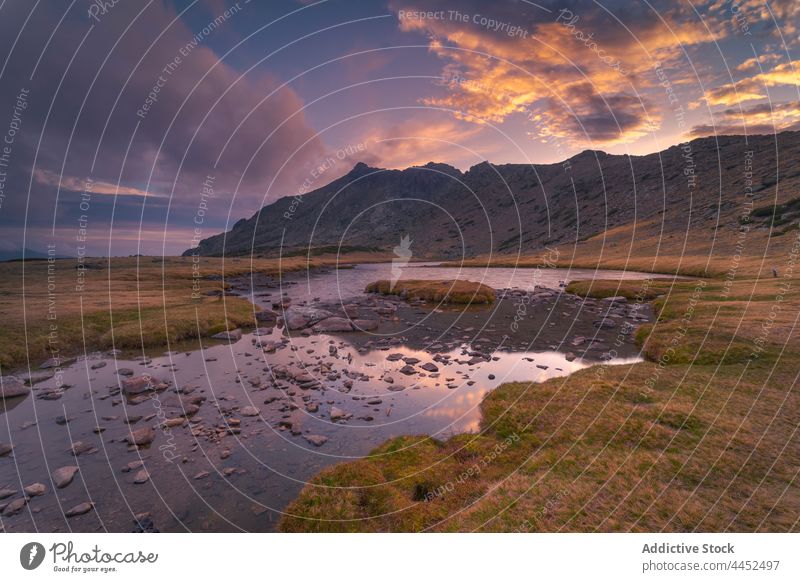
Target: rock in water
332 324
316 439
250 411
142 436
7 493
143 383
232 336
12 387
63 476
338 414
15 507
79 509
365 324
297 317
35 489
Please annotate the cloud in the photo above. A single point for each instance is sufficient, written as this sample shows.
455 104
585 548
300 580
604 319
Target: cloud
73 184
163 107
576 73
755 119
754 87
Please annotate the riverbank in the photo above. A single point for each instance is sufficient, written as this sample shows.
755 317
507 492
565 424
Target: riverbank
65 308
702 437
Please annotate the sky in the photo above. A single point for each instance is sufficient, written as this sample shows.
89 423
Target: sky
138 126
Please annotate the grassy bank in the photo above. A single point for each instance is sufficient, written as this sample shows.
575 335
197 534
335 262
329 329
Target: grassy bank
128 303
461 292
702 437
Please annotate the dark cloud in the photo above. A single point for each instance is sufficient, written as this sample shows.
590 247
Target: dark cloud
200 106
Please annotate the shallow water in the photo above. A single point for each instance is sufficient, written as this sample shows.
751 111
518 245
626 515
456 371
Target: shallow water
268 464
345 283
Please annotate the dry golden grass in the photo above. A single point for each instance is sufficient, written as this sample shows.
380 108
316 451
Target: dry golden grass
128 303
644 247
444 291
702 438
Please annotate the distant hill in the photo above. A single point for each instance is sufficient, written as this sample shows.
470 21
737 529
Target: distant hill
17 254
515 208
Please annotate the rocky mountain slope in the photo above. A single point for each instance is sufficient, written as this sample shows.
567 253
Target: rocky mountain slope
700 186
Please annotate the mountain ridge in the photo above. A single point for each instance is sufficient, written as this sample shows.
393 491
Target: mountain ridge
520 208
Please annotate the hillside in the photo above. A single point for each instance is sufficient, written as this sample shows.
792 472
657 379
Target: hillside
684 191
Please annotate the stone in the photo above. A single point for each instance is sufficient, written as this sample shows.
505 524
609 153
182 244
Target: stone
316 439
338 414
15 507
12 387
250 411
7 493
64 476
333 324
5 449
408 370
79 447
298 317
141 477
266 315
365 324
570 357
142 436
35 489
430 367
143 383
56 363
98 365
200 475
79 509
233 335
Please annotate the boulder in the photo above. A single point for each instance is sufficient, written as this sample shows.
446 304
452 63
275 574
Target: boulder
266 316
63 476
299 317
15 507
79 509
11 387
316 439
338 414
142 436
333 324
35 489
365 324
233 335
143 383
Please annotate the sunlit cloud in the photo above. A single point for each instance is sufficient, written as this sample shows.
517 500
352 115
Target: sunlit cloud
73 184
